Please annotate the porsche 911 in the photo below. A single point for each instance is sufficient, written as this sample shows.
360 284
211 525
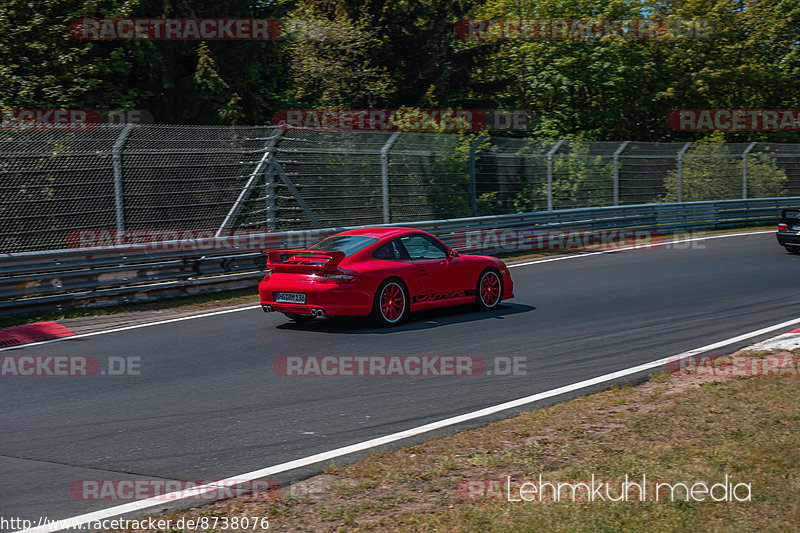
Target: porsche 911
385 272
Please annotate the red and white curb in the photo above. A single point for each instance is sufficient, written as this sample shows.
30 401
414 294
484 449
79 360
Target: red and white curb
787 341
32 333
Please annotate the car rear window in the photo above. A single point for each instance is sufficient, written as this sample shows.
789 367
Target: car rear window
349 244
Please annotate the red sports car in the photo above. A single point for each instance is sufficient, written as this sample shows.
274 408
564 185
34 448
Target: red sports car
385 272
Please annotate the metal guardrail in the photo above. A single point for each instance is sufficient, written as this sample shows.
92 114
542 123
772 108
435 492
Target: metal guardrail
103 276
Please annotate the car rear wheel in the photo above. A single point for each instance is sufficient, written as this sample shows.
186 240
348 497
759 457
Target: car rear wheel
300 319
489 290
391 303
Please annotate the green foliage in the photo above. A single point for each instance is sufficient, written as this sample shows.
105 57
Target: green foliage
43 66
488 204
581 180
332 57
711 172
614 89
376 53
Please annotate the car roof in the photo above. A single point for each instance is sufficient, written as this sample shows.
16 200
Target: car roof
380 232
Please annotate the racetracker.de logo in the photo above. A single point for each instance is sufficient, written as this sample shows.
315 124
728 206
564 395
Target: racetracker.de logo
408 119
181 29
71 119
581 29
512 239
734 119
50 119
68 366
171 239
171 490
733 366
379 366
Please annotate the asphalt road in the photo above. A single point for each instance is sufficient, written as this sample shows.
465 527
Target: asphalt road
209 405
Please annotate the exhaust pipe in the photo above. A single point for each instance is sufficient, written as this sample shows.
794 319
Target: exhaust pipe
317 312
267 308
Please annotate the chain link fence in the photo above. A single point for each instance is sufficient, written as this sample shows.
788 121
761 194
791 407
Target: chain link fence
66 189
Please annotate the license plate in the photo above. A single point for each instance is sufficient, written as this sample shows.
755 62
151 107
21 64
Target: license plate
291 297
796 228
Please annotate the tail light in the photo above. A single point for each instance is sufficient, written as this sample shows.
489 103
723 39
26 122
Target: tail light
338 276
783 227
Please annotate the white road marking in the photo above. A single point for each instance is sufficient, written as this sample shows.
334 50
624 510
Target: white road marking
141 505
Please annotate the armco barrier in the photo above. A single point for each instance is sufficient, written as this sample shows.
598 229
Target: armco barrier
105 276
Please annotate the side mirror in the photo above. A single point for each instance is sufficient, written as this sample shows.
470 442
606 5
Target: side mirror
451 253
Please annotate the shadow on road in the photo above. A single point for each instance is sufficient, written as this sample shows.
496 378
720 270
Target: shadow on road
420 320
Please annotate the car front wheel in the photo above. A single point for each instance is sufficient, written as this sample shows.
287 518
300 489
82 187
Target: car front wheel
489 290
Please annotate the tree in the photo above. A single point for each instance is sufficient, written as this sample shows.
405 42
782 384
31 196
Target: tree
333 56
43 67
614 89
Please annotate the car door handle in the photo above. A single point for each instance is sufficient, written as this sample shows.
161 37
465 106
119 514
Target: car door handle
423 272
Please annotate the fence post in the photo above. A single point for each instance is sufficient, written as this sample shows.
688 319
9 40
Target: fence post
744 169
550 155
119 198
617 153
473 186
385 175
276 168
264 163
269 195
680 170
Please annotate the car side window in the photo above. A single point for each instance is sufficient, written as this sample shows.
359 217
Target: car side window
391 251
422 247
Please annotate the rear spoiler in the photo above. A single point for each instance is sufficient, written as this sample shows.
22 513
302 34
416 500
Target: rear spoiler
303 260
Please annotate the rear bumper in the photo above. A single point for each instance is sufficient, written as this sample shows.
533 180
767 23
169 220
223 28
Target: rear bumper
334 299
791 238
